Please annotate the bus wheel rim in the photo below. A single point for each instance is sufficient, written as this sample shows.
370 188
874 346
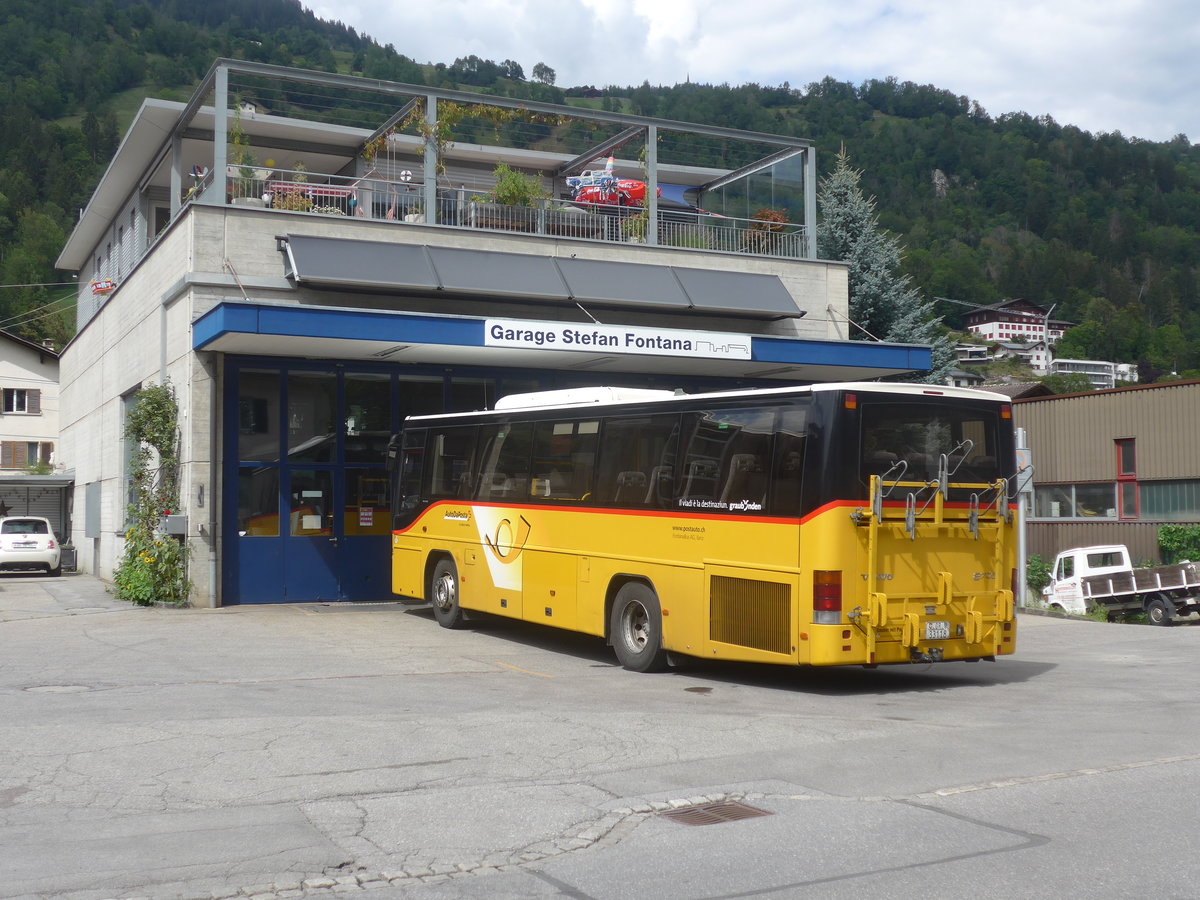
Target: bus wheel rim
636 626
443 592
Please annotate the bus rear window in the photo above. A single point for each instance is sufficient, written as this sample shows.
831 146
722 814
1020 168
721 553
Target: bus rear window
905 442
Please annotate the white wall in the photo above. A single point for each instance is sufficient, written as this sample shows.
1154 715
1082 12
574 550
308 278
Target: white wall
119 349
22 366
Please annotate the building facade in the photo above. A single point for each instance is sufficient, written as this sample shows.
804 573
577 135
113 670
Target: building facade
305 284
31 478
1101 374
29 405
1111 466
1015 321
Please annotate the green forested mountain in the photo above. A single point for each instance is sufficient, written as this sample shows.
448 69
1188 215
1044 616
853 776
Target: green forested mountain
988 207
1010 206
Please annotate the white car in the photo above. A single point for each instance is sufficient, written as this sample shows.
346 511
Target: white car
28 542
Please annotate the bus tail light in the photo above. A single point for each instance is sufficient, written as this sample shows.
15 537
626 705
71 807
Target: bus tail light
827 597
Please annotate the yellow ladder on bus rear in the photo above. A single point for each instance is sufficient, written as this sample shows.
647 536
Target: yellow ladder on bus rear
980 609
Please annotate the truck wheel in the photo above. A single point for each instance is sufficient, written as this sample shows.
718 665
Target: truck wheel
1160 611
635 629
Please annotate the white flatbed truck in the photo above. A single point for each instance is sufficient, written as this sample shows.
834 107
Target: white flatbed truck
1103 576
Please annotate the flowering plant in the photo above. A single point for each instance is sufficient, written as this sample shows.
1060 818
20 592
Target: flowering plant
153 567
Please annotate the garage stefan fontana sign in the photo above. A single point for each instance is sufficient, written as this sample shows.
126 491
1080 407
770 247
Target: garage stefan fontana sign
526 335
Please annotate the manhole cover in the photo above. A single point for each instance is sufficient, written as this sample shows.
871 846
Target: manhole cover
714 813
58 688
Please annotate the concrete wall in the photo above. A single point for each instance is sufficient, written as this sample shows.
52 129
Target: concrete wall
132 340
247 237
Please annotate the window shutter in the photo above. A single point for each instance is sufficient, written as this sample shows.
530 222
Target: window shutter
47 451
20 454
33 401
6 454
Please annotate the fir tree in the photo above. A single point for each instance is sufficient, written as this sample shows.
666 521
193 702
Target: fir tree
883 303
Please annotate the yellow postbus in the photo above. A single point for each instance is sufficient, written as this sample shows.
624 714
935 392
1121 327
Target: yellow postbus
835 524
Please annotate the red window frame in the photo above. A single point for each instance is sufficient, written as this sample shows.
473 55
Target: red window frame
1127 484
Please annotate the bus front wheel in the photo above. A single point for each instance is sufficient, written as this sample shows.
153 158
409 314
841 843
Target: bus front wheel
635 629
443 594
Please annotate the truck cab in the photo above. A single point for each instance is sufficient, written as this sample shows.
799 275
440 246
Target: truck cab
1064 592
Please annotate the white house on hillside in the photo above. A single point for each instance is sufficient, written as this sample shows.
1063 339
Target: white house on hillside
29 407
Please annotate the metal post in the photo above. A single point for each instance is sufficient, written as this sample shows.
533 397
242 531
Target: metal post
220 138
430 162
176 178
652 185
810 203
1025 488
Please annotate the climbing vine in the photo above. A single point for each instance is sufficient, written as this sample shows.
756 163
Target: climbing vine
449 114
153 567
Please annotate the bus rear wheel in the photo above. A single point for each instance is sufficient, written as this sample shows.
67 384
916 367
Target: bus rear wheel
443 594
635 629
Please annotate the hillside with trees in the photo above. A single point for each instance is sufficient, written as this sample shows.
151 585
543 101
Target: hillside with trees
987 207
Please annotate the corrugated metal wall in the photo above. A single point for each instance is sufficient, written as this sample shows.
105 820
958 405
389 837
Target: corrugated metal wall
1072 440
1072 437
1048 539
32 499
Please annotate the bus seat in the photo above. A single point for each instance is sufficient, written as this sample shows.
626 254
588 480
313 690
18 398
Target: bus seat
659 490
499 485
701 479
745 481
631 486
559 484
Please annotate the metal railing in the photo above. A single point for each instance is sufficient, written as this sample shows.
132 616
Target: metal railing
403 201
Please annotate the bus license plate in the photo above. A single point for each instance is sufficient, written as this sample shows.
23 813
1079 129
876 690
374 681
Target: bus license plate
937 631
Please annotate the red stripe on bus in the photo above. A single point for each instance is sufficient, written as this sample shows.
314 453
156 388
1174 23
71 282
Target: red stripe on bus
673 514
608 511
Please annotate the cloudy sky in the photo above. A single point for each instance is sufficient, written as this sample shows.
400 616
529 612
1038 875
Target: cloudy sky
1105 65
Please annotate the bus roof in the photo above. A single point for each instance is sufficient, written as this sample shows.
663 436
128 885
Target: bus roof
616 396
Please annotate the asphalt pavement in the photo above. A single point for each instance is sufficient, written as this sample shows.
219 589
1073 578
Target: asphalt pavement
316 750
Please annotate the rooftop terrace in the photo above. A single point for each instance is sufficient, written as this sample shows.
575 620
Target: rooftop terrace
303 143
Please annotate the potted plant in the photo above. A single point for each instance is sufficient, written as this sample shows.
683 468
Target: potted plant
241 168
633 227
512 202
766 230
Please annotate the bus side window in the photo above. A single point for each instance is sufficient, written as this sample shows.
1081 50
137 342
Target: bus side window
504 468
787 468
564 454
449 464
728 458
636 461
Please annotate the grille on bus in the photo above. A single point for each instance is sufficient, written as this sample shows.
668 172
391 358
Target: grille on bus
750 613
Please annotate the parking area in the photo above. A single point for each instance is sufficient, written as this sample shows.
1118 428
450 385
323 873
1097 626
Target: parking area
286 751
